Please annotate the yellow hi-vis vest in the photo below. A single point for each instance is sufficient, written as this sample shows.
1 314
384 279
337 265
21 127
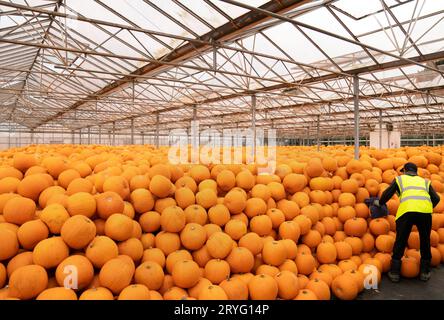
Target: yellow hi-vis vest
414 195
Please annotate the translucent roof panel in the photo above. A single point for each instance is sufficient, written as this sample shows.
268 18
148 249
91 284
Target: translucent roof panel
97 62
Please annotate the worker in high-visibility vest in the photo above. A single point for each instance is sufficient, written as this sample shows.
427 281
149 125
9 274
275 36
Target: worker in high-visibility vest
416 202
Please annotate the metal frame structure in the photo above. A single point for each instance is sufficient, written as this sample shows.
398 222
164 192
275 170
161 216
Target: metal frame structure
149 66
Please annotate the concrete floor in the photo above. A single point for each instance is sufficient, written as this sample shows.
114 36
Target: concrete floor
409 289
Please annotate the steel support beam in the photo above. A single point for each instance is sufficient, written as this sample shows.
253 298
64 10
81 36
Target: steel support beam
132 130
133 97
9 134
253 124
195 137
356 109
318 132
100 134
157 130
380 129
89 135
114 133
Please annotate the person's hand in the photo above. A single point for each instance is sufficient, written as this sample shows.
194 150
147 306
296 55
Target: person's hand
376 203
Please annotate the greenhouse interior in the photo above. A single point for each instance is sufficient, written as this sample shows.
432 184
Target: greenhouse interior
346 96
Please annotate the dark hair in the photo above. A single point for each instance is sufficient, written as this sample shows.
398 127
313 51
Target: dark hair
409 166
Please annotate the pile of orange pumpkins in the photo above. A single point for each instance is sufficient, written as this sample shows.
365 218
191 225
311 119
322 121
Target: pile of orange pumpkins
94 222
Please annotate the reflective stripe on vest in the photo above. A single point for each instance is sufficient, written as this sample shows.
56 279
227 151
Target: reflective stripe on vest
414 195
415 188
404 199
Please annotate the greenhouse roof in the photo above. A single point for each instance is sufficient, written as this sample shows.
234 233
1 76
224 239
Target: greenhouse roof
107 63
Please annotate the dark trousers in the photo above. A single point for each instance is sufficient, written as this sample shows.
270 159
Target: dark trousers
404 224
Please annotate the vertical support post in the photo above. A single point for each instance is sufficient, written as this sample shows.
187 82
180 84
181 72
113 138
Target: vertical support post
318 129
72 137
114 133
195 137
194 112
356 109
195 119
158 130
427 103
9 134
380 128
89 135
32 136
100 134
143 137
308 136
132 130
132 119
80 136
214 57
253 123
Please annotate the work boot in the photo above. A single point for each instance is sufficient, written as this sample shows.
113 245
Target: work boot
425 270
394 273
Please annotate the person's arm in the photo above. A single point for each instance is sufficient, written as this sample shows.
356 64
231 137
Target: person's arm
389 192
434 196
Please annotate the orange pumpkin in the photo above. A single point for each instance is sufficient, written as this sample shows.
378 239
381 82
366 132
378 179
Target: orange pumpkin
217 270
119 227
78 231
32 232
99 293
274 253
409 267
28 282
326 252
49 253
263 287
219 245
135 292
288 285
57 293
19 210
116 274
149 274
241 260
172 219
212 292
345 287
320 289
186 273
101 250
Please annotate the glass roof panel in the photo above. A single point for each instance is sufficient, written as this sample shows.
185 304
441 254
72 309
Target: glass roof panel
206 12
359 10
294 43
235 11
321 18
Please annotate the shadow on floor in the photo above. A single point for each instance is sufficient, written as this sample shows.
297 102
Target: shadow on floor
409 289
